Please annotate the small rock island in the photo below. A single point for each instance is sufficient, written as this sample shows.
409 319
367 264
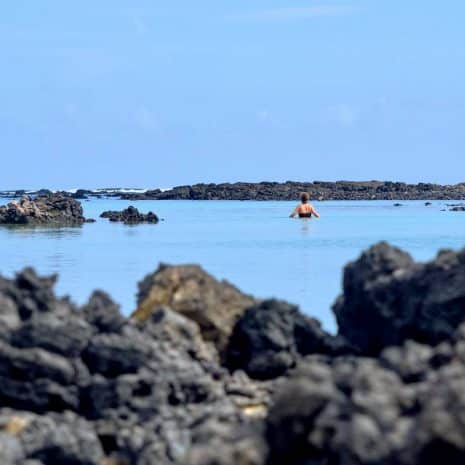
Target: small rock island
130 215
52 209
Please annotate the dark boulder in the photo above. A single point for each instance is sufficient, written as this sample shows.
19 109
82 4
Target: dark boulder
403 409
271 337
388 299
130 215
52 439
102 313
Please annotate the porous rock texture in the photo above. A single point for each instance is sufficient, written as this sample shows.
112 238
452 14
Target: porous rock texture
86 386
53 209
272 335
388 298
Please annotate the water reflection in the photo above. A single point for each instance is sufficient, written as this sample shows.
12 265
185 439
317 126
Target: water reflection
305 228
50 232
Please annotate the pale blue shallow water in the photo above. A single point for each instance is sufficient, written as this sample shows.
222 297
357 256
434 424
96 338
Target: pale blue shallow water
252 244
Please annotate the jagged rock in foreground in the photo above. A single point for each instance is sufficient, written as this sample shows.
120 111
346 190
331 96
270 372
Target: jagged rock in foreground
388 298
80 385
273 335
53 209
130 215
405 409
214 305
86 386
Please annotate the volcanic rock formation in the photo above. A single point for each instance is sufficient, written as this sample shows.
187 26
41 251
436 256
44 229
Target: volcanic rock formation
87 386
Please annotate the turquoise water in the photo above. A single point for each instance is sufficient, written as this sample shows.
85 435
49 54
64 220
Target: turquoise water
252 244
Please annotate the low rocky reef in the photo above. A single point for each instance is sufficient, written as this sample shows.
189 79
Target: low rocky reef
203 374
289 190
318 190
130 215
54 209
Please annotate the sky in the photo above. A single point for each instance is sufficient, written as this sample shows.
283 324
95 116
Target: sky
141 93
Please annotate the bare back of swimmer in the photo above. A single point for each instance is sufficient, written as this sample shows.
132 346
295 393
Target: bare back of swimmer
304 209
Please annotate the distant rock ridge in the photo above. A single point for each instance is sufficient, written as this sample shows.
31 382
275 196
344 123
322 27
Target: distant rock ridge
289 190
318 190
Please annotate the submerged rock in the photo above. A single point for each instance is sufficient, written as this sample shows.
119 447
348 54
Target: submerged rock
130 215
50 209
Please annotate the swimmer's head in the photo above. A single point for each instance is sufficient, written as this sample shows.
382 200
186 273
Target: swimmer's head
304 197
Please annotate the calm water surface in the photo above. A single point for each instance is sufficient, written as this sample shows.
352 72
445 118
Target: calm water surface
252 244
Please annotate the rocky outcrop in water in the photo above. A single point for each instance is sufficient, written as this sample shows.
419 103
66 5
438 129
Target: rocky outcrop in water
53 209
130 215
86 386
318 190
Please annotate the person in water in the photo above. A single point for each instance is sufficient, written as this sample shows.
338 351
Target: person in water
305 209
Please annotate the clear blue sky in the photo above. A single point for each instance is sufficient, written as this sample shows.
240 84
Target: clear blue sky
151 93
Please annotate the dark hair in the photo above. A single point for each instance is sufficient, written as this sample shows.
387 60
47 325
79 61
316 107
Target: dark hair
304 197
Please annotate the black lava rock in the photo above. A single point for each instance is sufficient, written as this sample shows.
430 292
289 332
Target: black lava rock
270 337
130 215
388 299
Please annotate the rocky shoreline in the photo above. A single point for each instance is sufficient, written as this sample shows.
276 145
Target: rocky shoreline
203 374
319 190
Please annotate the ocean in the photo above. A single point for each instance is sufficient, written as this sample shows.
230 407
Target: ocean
254 245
